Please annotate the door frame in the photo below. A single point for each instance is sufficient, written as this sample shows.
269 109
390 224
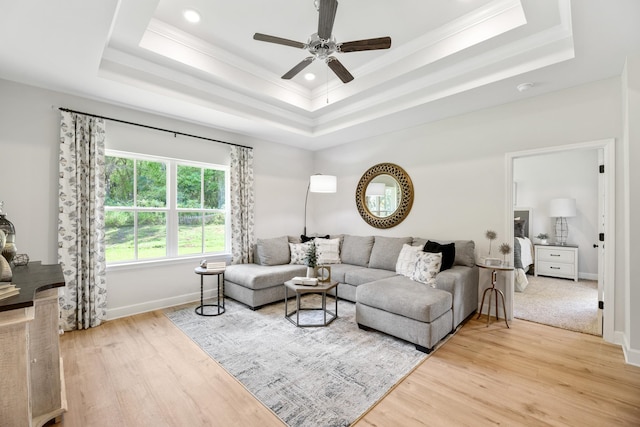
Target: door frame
608 149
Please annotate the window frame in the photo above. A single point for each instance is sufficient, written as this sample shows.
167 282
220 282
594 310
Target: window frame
171 208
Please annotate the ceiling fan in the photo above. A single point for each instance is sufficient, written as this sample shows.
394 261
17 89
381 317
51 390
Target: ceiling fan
322 45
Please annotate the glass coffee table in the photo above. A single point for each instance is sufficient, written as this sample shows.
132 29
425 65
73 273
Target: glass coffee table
322 288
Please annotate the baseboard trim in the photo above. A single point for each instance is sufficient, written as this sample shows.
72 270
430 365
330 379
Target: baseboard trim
130 310
631 356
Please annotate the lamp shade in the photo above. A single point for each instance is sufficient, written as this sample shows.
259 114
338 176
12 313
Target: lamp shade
322 184
375 189
562 208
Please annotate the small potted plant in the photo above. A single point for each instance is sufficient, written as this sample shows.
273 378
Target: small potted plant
311 260
543 238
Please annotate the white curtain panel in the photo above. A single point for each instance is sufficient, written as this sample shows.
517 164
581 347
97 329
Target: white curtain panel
81 240
242 205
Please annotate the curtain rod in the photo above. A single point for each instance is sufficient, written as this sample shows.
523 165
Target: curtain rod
153 127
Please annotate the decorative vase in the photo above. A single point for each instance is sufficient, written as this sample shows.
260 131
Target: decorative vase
311 272
9 250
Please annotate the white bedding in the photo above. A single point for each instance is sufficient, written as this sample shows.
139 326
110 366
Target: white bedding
526 257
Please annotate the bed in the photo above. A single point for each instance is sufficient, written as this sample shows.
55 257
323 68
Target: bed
522 247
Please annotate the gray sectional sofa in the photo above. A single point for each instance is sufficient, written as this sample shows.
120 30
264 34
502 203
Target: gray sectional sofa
386 300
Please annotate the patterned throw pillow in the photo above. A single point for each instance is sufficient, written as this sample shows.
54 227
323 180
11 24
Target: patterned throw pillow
407 259
427 268
298 252
328 250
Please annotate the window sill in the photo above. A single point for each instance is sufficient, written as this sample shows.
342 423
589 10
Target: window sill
194 260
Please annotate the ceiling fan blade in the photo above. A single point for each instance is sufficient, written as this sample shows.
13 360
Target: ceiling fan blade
278 40
337 67
301 66
368 44
328 10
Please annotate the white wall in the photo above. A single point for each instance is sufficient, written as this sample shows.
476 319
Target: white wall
29 138
459 172
566 174
631 233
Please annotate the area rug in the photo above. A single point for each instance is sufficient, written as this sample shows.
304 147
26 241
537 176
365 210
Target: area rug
559 302
320 376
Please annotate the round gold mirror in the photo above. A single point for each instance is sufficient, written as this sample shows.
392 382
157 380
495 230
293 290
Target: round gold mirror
384 195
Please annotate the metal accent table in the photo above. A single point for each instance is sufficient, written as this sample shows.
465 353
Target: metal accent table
322 288
220 301
494 278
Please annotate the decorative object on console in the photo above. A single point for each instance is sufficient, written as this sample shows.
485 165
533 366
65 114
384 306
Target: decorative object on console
505 249
491 235
5 268
323 273
9 250
311 260
318 183
543 238
561 209
21 259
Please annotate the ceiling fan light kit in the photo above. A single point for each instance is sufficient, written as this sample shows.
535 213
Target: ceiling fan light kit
322 45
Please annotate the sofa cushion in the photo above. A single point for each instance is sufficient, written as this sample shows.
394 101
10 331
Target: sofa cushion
365 275
385 251
448 251
328 250
299 253
407 259
339 271
465 250
427 268
274 251
254 276
356 250
400 295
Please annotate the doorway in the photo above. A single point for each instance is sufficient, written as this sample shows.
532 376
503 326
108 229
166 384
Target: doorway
597 259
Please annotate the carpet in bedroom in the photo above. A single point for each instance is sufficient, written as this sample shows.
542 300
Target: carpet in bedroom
325 376
559 302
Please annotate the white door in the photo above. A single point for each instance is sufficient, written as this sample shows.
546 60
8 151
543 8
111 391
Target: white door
602 199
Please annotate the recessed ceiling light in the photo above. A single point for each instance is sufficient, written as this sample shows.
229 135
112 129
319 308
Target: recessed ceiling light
524 87
191 16
310 76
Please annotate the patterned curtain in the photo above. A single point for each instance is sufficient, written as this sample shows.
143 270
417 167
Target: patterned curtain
81 242
242 205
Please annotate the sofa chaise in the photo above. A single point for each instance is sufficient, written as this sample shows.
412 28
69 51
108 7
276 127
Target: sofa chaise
378 274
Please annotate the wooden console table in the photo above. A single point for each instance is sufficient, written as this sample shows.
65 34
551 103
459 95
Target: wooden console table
32 386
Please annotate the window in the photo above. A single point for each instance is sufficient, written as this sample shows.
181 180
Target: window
163 208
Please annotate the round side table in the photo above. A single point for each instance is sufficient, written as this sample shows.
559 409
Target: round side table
494 278
220 301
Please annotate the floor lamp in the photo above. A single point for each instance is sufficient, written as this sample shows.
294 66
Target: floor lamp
561 209
318 183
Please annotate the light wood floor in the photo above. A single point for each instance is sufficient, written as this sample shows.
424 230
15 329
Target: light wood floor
142 371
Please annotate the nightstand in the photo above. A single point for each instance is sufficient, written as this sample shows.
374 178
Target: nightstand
556 261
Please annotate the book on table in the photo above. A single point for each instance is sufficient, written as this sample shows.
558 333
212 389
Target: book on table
216 266
306 281
8 290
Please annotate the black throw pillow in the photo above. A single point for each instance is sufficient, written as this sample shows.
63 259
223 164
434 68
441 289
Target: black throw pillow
305 239
448 253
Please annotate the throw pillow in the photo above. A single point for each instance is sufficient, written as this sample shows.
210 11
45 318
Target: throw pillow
384 254
448 252
356 250
305 239
518 227
274 251
328 250
427 268
407 259
298 253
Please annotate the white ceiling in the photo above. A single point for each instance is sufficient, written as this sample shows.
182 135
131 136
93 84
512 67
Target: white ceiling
447 57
